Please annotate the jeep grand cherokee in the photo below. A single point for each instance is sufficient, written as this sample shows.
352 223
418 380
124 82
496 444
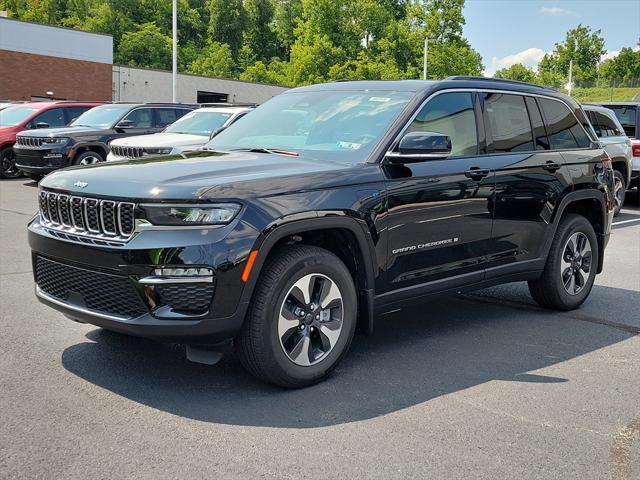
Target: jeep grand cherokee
329 205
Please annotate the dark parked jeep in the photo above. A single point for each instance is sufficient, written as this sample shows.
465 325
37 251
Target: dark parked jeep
325 207
86 140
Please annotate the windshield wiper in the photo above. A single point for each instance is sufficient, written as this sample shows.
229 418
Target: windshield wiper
274 151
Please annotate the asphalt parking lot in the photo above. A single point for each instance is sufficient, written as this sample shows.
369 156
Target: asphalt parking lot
477 386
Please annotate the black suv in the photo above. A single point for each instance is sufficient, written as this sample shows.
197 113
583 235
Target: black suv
329 205
86 140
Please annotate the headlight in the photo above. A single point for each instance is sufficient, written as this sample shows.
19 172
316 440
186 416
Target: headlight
185 215
158 151
54 141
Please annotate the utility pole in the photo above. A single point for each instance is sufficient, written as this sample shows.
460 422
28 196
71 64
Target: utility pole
175 49
570 76
426 54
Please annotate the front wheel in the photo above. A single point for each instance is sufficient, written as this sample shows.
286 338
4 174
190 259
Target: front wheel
8 167
302 317
88 158
570 269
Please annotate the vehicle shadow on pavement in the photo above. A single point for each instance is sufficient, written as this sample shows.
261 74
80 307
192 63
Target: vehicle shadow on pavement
414 356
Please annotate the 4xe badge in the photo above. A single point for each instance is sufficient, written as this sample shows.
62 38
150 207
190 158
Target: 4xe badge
80 184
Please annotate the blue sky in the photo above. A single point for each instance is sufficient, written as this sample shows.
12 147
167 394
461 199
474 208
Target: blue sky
521 31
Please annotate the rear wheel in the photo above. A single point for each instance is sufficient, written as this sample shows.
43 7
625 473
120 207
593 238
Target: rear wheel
8 167
619 191
302 317
88 158
571 266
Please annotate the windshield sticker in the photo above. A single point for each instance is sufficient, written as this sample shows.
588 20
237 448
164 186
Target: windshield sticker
380 99
349 145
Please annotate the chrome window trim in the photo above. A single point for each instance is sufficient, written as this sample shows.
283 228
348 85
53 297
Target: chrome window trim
398 137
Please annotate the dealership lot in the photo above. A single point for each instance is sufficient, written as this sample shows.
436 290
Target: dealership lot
485 385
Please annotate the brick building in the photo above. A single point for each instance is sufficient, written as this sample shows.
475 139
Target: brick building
40 61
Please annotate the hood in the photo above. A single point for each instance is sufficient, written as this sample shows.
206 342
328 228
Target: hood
161 140
196 175
61 132
7 132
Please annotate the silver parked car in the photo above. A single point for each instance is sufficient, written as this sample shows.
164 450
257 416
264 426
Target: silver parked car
617 145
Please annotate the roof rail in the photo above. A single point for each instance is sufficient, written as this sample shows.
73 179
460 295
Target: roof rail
227 104
497 80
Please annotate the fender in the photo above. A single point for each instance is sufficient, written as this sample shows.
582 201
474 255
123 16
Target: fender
81 145
285 227
572 197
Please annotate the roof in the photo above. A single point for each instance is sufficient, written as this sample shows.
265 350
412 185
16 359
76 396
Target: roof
44 105
224 109
606 104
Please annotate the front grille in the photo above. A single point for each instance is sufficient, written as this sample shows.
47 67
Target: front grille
84 216
194 298
102 292
29 141
127 152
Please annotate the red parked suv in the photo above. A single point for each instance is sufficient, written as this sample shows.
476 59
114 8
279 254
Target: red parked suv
25 116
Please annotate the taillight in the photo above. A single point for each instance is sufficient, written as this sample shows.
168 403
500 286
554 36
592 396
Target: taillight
607 162
636 150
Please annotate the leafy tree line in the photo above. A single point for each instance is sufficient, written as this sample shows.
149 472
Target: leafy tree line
586 48
287 42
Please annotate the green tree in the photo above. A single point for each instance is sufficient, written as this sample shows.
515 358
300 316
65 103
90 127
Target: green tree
227 23
517 72
582 46
259 34
623 69
146 46
287 15
215 60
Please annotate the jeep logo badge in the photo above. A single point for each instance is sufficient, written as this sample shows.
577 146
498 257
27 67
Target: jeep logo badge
80 184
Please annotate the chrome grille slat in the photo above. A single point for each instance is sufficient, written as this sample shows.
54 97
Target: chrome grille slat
30 141
128 152
82 218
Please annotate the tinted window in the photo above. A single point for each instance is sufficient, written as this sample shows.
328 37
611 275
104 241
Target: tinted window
52 118
606 125
450 114
104 116
627 117
539 131
562 126
199 123
141 118
181 112
509 123
594 122
11 116
75 112
165 116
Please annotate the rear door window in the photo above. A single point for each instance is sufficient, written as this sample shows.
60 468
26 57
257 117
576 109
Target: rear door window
165 116
539 130
607 125
141 118
508 121
627 117
74 112
565 132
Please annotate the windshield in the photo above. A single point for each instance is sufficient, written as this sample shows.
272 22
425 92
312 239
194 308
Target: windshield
199 123
627 117
14 115
104 116
341 125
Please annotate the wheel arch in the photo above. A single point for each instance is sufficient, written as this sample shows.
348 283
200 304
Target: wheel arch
342 235
590 204
100 148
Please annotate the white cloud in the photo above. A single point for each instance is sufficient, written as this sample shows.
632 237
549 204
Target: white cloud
529 58
557 11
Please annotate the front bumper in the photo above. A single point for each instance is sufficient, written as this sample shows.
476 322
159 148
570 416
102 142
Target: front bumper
41 160
136 261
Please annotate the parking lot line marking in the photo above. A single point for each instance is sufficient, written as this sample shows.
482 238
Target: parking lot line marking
626 221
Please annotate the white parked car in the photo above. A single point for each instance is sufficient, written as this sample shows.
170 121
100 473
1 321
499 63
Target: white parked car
188 133
617 145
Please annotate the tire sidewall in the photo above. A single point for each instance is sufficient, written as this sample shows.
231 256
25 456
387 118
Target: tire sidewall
618 176
339 274
577 224
79 158
3 153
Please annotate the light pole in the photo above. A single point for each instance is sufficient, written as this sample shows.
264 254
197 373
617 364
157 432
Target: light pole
426 54
570 76
175 49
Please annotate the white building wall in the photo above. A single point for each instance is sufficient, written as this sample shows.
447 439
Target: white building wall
131 84
26 37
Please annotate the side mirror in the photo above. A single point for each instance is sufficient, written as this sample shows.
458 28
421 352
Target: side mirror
42 125
421 146
125 124
216 131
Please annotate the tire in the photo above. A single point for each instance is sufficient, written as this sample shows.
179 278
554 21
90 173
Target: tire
619 191
8 167
552 289
88 158
271 347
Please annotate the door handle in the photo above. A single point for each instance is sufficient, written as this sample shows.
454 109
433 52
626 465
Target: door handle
477 173
551 166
